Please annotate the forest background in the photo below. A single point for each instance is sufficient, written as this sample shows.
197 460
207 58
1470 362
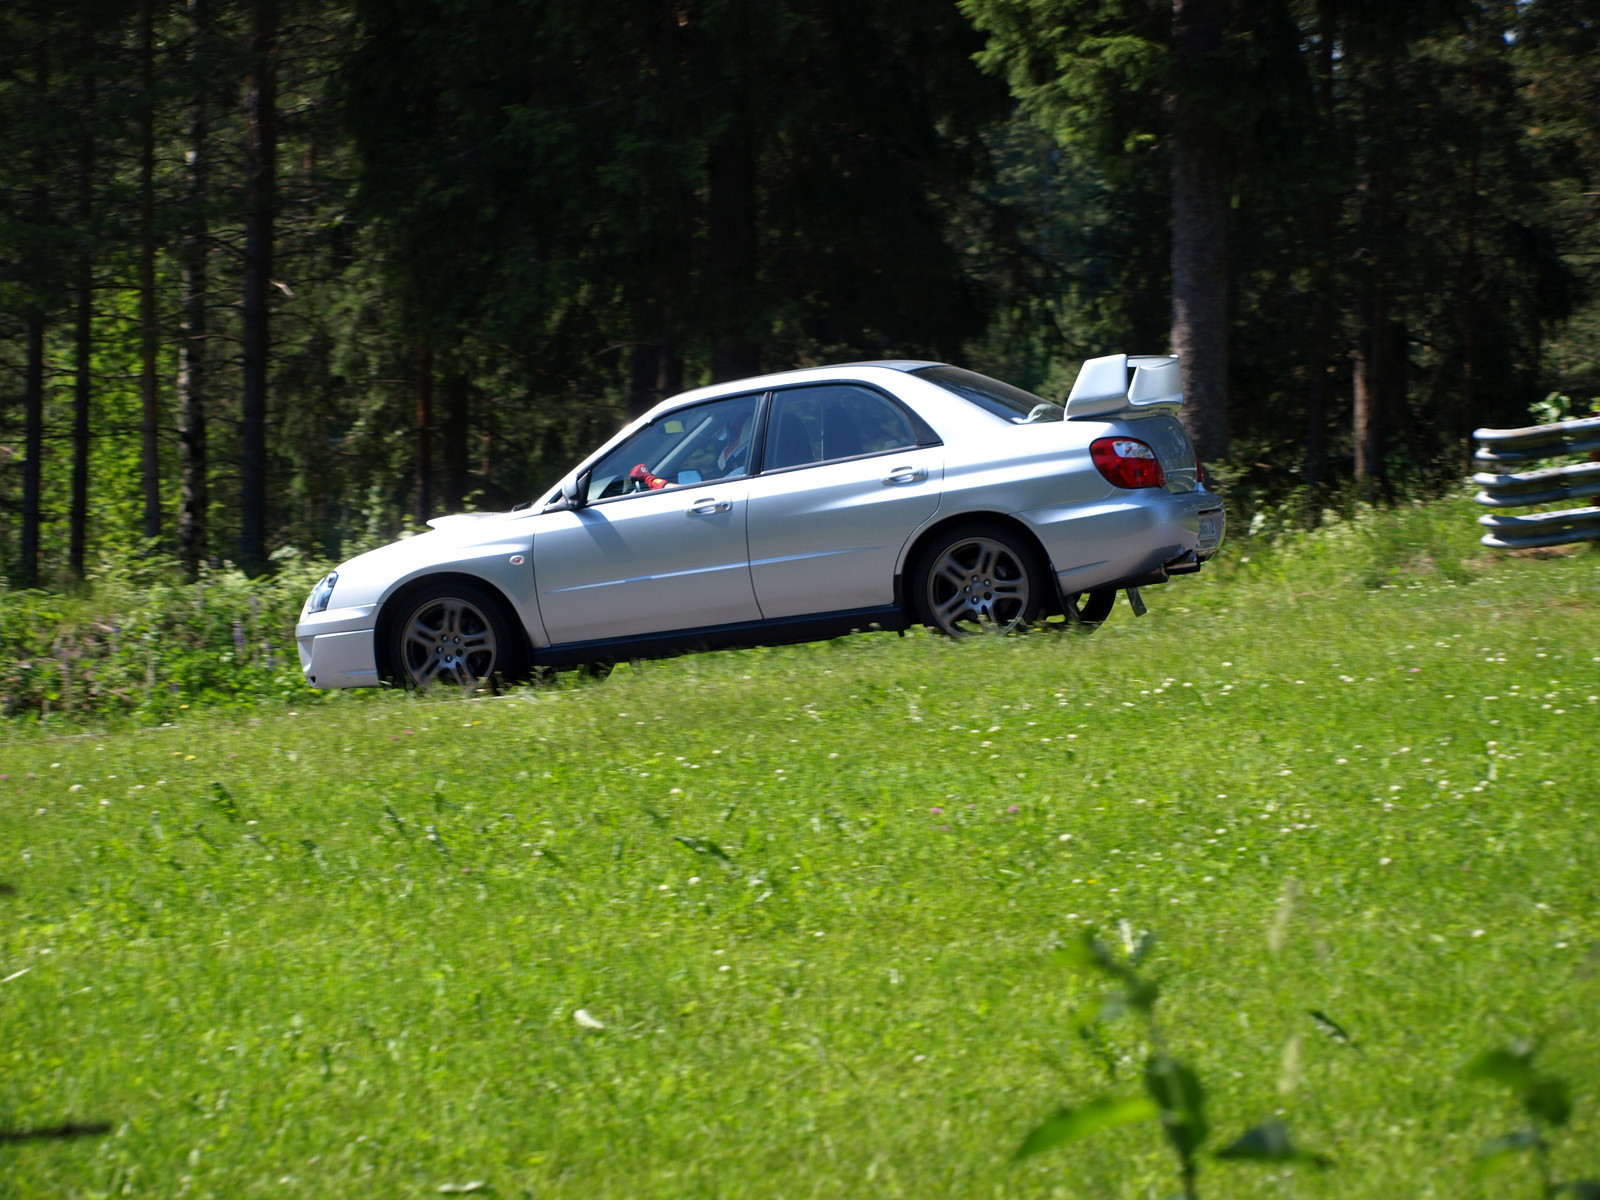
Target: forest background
280 277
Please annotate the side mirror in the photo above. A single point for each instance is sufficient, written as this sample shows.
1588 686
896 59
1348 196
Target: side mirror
573 488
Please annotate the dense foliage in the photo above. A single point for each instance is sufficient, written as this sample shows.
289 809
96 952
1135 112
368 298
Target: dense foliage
292 273
145 644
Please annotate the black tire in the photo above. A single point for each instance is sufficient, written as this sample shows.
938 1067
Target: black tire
454 633
1094 607
978 578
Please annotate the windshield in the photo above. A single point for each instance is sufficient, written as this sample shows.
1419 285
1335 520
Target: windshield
1004 401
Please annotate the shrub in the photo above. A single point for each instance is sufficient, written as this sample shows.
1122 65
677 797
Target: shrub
132 641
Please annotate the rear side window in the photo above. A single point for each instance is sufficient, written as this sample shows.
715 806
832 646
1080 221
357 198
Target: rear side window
1001 399
832 421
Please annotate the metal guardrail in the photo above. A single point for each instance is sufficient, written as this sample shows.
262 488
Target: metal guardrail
1548 485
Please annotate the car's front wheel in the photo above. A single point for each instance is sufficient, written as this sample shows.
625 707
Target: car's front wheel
978 579
453 633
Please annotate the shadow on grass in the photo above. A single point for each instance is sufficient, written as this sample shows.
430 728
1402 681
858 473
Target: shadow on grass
71 1129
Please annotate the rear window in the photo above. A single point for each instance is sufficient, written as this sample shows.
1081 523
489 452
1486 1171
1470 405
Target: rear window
1001 399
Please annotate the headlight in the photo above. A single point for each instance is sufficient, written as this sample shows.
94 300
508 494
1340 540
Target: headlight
322 593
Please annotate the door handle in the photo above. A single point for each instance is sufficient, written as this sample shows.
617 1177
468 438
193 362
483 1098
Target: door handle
906 475
708 506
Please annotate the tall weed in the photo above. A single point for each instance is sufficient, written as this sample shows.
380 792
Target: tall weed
137 640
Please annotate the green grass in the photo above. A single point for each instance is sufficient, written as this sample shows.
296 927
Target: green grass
371 990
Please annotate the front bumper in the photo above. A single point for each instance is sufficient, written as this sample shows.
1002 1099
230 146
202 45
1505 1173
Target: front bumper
338 648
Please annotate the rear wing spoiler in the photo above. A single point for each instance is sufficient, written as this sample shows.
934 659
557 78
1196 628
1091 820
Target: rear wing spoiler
1120 383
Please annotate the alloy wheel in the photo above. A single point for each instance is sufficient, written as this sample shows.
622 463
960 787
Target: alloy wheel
977 585
448 640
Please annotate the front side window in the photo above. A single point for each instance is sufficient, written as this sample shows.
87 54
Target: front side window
700 444
832 421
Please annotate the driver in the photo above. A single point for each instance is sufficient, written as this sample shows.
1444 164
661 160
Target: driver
642 474
730 460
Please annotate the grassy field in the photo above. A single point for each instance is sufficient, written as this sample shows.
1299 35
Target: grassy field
807 902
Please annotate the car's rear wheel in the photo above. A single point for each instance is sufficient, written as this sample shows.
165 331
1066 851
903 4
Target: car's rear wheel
978 579
456 634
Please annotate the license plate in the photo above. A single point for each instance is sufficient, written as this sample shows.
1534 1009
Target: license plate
1210 528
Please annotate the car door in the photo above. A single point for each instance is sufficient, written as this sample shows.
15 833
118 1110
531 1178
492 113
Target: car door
847 476
659 542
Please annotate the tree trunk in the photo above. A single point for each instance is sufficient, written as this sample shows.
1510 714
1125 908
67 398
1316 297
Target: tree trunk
82 331
1372 389
644 369
33 451
193 499
655 369
656 366
1468 418
1372 359
1394 364
1320 343
424 454
731 246
458 434
261 159
457 429
82 389
36 269
1200 215
149 328
1319 388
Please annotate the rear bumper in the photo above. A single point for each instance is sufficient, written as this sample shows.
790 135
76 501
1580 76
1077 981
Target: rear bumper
1133 539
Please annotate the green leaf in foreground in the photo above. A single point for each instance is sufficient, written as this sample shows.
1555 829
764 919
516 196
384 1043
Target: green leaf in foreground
1269 1142
1087 952
1496 1154
1334 1031
704 846
1511 1065
1069 1124
1542 1096
224 801
1548 1099
73 1129
1177 1090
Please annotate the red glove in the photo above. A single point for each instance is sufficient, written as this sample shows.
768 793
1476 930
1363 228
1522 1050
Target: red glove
642 474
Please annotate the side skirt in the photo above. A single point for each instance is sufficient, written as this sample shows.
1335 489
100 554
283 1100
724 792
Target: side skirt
783 631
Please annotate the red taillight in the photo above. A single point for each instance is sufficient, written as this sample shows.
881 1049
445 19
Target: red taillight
1127 462
1199 471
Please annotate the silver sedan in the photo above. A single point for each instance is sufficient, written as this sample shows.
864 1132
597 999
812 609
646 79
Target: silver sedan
792 507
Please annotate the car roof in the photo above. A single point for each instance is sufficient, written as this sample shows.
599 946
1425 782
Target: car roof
733 387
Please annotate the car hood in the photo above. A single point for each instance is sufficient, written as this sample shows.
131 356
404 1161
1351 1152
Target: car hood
464 541
459 531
